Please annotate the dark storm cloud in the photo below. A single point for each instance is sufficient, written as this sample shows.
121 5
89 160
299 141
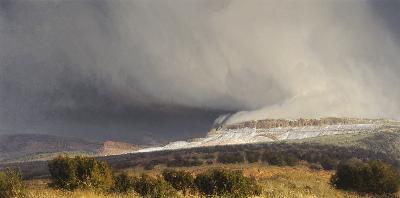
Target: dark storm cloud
108 60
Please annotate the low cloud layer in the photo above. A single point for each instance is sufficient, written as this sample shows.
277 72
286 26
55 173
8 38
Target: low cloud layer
277 59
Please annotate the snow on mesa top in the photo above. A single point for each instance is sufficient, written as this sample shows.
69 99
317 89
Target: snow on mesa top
269 130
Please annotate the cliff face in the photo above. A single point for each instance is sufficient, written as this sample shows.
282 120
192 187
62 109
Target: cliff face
301 122
117 148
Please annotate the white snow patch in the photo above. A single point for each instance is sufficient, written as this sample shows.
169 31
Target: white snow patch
251 135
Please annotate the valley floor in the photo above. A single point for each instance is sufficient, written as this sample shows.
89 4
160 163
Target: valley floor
277 182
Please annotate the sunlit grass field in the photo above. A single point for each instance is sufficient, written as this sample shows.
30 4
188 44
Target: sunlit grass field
277 182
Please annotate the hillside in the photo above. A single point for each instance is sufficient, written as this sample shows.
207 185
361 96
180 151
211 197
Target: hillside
33 147
272 130
116 148
387 142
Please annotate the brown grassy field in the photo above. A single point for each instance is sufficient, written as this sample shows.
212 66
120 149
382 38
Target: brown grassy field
277 182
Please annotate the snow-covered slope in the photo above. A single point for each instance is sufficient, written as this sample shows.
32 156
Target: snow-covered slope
228 135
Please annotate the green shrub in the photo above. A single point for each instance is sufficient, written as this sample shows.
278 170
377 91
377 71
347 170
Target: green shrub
93 174
80 172
230 158
178 161
208 156
180 180
147 186
275 159
315 166
219 182
150 165
63 172
11 185
123 183
291 160
372 177
252 157
328 163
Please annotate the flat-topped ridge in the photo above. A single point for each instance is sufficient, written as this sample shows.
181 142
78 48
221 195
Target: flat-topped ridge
301 122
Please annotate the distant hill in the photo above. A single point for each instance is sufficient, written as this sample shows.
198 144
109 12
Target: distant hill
116 148
32 147
273 130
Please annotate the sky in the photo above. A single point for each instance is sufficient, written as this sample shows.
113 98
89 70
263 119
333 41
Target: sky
150 71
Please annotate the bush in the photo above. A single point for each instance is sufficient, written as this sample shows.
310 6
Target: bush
230 158
208 156
291 160
275 159
151 187
315 166
124 183
252 157
11 185
218 182
63 172
180 180
93 174
372 177
328 163
80 172
178 161
150 165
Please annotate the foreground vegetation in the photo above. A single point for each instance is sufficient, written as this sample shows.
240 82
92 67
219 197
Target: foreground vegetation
265 170
221 180
11 184
90 174
372 177
296 182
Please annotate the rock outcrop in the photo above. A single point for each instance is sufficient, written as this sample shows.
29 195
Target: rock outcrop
117 148
301 122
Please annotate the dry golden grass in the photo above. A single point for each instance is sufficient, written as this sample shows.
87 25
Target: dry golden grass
40 189
50 193
277 182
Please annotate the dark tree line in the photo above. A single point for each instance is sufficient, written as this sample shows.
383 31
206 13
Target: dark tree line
281 154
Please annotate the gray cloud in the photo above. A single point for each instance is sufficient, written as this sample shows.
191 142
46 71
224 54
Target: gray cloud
263 58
